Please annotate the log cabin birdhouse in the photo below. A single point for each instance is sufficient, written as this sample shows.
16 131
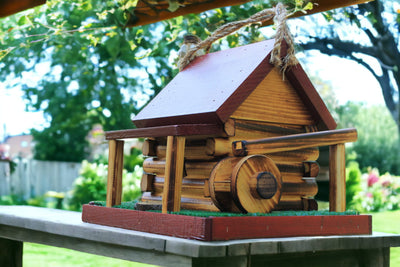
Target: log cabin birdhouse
228 133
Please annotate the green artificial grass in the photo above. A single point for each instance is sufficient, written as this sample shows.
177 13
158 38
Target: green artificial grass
198 213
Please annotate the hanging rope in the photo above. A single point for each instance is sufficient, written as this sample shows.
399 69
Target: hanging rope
278 13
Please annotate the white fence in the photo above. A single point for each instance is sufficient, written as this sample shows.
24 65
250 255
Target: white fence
33 178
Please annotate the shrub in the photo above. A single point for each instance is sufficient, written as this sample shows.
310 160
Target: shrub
353 182
91 185
378 143
379 192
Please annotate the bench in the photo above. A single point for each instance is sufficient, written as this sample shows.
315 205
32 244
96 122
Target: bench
65 229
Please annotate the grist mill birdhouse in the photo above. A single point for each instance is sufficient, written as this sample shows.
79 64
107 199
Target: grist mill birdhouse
232 133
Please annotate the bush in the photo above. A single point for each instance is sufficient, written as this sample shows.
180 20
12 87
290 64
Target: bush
353 182
379 192
378 143
91 185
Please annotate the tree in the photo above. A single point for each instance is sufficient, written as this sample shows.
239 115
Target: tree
97 69
93 72
361 32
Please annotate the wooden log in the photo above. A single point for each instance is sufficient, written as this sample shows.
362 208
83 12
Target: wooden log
189 188
298 204
191 153
147 182
173 174
192 169
294 142
149 148
337 178
218 147
307 188
229 127
295 172
186 203
115 168
220 184
244 173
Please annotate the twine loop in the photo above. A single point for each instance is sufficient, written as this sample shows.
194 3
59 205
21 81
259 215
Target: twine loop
278 14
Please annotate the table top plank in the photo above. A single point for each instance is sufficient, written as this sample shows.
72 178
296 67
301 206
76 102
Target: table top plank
65 229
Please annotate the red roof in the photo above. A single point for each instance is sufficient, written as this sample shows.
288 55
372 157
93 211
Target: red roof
213 86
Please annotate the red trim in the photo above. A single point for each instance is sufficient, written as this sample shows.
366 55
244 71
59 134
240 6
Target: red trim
170 130
228 228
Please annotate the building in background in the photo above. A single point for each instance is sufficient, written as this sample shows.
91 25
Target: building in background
17 146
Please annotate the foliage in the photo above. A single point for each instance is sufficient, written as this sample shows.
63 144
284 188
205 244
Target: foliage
379 192
367 34
90 69
95 70
92 185
12 200
378 139
353 180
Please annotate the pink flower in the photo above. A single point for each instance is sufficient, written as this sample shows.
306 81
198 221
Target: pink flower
368 194
386 183
372 179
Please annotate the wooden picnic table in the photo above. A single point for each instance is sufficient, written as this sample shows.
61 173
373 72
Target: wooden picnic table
65 229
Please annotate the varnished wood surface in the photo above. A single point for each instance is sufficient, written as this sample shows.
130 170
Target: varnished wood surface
115 168
243 175
146 14
275 100
337 178
169 130
174 165
9 7
298 78
294 142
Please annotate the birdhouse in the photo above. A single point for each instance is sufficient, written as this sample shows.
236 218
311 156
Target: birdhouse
232 133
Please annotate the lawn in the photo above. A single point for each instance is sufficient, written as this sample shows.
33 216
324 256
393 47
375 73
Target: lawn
45 256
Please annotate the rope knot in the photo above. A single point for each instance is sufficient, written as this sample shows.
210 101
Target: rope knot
278 14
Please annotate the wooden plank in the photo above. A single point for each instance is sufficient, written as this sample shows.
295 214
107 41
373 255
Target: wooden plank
275 100
223 228
10 253
228 228
157 223
146 14
173 174
298 78
115 168
337 178
294 142
9 7
169 130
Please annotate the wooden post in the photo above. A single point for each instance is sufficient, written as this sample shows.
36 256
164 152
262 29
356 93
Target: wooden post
115 167
337 178
174 164
10 253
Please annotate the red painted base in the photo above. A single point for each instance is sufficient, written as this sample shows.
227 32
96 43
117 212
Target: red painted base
228 228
